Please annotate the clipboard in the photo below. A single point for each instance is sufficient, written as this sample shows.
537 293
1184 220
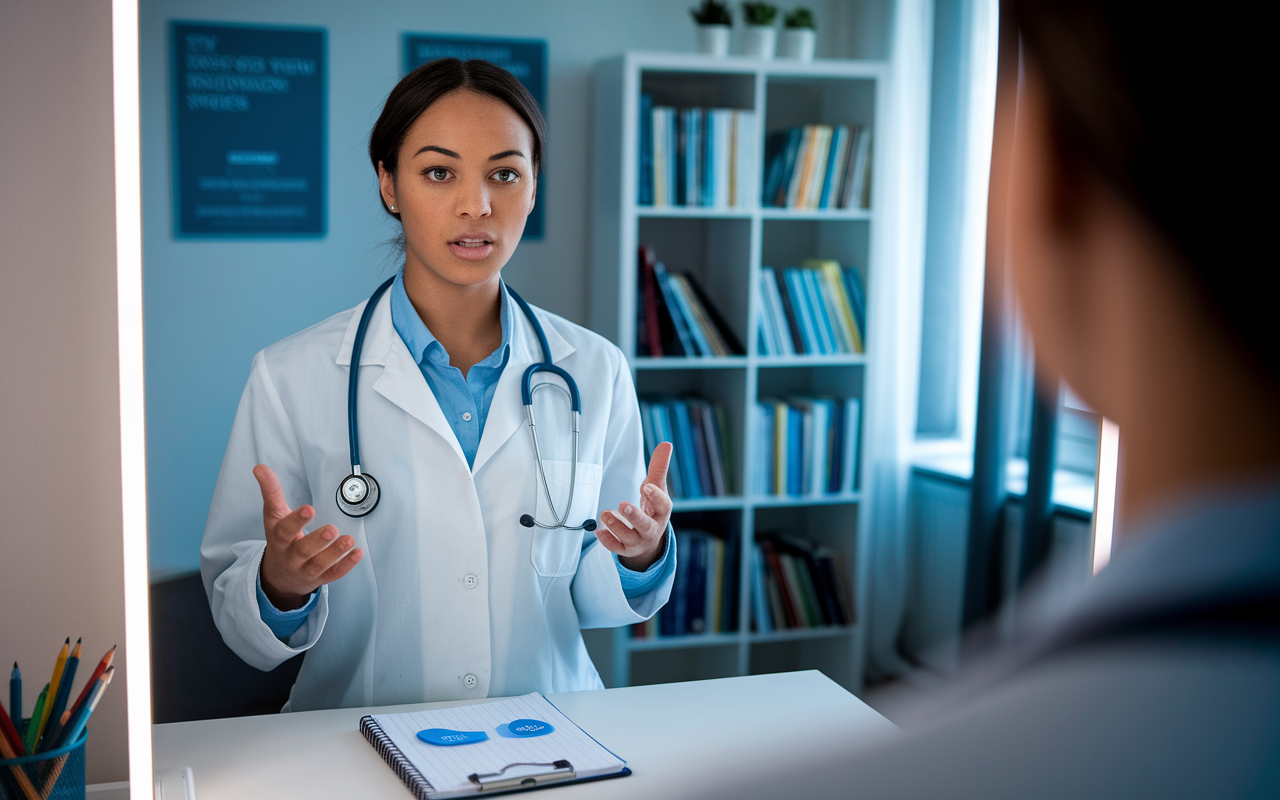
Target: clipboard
501 764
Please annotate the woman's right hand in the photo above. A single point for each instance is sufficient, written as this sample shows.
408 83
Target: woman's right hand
295 563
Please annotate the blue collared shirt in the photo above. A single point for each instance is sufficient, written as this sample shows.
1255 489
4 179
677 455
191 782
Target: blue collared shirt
465 403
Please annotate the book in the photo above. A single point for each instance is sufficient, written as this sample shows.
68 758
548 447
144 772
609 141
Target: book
501 762
645 175
808 446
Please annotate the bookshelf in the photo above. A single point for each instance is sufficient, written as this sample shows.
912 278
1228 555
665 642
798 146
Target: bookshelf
724 248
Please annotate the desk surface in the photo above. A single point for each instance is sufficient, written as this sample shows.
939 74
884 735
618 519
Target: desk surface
673 736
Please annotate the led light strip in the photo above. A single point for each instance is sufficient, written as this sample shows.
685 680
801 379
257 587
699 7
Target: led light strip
1104 492
133 466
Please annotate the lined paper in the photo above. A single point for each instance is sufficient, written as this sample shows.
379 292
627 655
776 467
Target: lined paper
448 768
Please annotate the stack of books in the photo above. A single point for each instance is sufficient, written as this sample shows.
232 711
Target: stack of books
819 308
817 166
696 156
798 584
704 597
674 316
806 446
697 432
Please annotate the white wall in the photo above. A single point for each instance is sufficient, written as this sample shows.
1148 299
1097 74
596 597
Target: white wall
212 304
60 573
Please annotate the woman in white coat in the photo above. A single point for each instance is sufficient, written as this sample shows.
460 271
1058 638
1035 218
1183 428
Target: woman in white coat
439 593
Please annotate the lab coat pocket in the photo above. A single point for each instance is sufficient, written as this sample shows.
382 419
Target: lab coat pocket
555 552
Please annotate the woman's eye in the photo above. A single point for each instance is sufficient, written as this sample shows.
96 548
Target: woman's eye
438 174
506 175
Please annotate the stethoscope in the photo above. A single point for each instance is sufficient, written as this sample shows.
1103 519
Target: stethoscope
358 494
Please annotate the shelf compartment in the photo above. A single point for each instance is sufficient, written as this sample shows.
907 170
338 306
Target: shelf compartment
790 238
716 251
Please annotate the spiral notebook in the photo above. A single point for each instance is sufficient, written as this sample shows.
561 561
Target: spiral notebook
501 763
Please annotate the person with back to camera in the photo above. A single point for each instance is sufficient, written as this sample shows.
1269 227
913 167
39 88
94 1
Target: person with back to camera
1130 193
467 567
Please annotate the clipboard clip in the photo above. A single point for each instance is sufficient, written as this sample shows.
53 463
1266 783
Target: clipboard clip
560 770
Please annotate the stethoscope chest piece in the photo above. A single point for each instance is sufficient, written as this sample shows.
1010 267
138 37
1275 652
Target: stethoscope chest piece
358 494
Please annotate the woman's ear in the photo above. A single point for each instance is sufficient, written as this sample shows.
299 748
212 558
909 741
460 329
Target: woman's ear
387 187
533 197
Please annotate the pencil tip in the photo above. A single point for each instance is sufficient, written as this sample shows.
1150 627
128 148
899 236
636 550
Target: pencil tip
78 639
68 640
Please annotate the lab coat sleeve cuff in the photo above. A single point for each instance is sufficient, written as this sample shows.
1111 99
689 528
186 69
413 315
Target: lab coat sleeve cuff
283 623
635 584
255 641
599 597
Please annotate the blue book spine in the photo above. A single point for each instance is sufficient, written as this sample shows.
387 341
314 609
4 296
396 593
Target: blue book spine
646 150
795 451
804 314
729 602
826 327
764 443
696 593
829 178
665 431
857 299
674 309
775 152
683 573
759 598
684 445
837 446
794 140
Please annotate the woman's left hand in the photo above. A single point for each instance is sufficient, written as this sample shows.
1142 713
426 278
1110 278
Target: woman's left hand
641 539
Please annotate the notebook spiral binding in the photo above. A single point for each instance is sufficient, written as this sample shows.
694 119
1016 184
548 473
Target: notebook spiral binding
395 759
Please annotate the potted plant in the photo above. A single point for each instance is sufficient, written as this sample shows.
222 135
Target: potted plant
798 35
760 37
713 27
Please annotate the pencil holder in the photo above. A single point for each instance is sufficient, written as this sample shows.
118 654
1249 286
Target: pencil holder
52 775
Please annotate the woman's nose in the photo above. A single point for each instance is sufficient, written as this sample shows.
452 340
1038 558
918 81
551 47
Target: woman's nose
473 201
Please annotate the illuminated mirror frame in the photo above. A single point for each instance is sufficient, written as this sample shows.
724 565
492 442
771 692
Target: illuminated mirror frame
133 454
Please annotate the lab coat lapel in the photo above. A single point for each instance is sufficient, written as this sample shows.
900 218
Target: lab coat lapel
401 380
506 410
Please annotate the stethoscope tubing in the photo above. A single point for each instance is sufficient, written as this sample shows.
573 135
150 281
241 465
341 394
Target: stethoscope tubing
526 395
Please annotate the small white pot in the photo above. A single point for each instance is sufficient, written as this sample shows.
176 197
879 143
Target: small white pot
797 43
758 41
713 39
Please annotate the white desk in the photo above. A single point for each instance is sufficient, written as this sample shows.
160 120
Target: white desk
669 734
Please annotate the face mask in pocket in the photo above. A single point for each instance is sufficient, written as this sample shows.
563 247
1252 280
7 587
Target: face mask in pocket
555 551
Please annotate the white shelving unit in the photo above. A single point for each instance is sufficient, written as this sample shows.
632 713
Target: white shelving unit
725 249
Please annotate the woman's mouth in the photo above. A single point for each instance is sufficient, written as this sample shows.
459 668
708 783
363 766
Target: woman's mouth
472 247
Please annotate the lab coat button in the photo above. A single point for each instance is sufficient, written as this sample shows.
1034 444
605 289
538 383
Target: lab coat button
471 580
466 476
470 681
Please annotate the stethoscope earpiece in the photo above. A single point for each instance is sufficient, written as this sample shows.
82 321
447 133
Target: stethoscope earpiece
526 520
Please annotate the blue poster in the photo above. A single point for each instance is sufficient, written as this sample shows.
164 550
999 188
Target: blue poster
524 58
248 130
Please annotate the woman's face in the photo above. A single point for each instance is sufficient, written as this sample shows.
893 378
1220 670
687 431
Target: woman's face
463 188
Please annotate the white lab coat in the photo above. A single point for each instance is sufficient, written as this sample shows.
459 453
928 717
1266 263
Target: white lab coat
453 599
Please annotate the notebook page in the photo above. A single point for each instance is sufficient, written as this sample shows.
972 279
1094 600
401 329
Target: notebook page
448 768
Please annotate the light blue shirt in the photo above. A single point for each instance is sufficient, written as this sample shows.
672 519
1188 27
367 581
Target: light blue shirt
465 403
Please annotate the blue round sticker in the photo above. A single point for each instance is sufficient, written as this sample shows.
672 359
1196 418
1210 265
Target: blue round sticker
526 728
443 737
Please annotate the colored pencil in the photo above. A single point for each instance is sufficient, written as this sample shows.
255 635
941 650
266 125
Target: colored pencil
10 733
15 695
19 773
33 727
58 666
75 726
97 673
60 701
